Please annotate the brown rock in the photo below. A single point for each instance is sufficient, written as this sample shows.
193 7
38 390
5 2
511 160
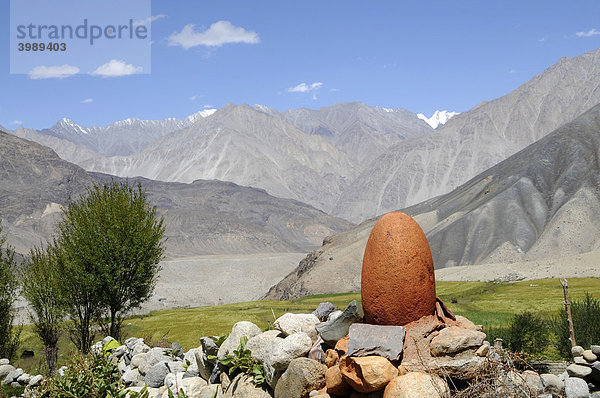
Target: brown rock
335 382
331 358
483 351
455 339
398 282
342 346
367 374
374 394
416 385
467 323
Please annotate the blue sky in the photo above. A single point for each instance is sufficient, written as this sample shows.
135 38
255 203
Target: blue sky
421 56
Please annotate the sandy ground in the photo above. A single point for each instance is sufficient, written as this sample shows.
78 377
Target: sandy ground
211 280
577 266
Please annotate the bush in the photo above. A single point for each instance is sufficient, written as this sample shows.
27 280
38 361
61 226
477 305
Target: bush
586 323
528 333
90 376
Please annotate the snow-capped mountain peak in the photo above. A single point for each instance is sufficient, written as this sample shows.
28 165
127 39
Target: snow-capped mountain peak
200 114
438 118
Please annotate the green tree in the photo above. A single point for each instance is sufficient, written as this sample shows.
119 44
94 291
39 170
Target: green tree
41 289
586 322
9 286
111 241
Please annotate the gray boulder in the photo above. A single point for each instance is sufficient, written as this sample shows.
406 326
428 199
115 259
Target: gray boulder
4 361
577 351
5 370
337 328
239 330
302 376
575 370
552 384
288 349
211 391
131 377
192 386
290 323
384 341
156 355
576 388
209 346
13 375
455 339
35 380
155 377
24 379
205 367
262 345
140 348
242 386
323 310
595 349
589 356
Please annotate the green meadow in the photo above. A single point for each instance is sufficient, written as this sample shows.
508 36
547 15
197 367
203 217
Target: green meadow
487 303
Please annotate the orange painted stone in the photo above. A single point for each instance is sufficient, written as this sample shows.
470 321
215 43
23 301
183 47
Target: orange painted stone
398 281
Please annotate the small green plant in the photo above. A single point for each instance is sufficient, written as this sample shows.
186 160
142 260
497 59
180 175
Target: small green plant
90 376
242 360
219 339
180 394
529 334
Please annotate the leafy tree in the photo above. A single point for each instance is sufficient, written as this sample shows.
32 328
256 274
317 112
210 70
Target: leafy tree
42 290
9 286
111 242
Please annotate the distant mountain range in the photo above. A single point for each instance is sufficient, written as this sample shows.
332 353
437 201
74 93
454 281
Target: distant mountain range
301 154
202 217
541 203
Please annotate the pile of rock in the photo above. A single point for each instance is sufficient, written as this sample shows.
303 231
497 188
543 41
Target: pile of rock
583 375
16 377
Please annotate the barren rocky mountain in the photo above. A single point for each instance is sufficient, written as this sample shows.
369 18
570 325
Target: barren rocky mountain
360 131
541 203
415 170
203 217
301 154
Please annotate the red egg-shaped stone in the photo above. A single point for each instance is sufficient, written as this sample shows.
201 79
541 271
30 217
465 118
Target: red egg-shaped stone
398 281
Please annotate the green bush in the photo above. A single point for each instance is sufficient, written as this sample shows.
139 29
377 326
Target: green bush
528 334
90 376
586 323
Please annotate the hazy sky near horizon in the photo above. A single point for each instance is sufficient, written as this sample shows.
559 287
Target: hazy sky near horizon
421 55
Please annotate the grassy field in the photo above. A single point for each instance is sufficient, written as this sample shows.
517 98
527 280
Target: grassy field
492 304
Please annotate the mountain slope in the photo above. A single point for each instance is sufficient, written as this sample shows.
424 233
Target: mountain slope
247 147
418 169
543 202
362 132
204 217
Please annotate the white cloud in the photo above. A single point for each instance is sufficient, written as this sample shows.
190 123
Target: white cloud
18 122
589 33
543 39
305 88
513 71
335 90
193 97
87 101
53 72
219 33
208 106
115 68
149 20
